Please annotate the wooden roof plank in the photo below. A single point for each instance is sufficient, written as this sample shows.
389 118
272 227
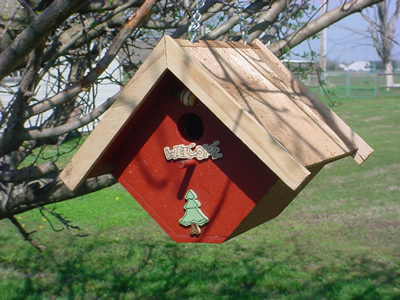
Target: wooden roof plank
115 119
341 129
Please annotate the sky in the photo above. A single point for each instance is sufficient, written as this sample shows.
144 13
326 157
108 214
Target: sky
345 46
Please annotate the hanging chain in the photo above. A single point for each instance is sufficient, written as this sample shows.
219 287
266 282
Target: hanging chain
242 22
196 19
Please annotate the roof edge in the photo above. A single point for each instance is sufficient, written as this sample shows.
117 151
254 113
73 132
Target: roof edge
115 119
337 125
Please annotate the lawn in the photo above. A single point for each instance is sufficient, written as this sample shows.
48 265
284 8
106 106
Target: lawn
355 84
339 239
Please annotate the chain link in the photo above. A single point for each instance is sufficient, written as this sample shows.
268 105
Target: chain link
196 19
195 24
242 22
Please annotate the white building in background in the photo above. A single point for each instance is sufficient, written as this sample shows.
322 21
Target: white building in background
104 91
357 66
139 52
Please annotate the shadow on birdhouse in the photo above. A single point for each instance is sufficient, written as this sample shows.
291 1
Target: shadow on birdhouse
214 138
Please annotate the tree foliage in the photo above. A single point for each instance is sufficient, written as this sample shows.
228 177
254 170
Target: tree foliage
68 44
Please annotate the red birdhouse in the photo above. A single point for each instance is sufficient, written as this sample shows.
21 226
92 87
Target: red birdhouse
214 138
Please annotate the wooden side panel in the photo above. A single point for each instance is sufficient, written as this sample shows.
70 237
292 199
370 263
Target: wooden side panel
318 107
241 123
272 204
115 119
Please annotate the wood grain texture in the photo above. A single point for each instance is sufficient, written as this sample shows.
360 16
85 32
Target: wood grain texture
335 123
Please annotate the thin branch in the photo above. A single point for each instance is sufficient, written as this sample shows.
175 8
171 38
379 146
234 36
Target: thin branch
233 21
31 13
60 98
66 223
276 27
90 32
318 24
267 18
27 235
68 127
9 23
91 77
95 5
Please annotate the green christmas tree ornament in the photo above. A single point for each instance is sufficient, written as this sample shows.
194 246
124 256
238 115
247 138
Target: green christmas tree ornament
193 217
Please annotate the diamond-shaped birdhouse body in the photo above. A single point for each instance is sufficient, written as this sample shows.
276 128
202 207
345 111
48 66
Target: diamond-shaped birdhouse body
213 138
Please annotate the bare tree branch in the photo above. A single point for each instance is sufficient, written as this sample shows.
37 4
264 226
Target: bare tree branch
96 5
233 21
112 51
57 192
61 98
267 18
39 28
317 25
32 14
68 127
381 31
28 173
73 229
27 235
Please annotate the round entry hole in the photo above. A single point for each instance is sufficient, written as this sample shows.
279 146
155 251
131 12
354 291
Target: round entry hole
191 127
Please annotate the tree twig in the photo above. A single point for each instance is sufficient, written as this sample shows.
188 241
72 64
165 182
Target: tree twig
27 235
32 14
318 24
66 223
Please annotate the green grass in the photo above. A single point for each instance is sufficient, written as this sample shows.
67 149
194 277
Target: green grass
355 84
339 239
59 154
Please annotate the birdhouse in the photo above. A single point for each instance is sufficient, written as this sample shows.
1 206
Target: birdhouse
213 138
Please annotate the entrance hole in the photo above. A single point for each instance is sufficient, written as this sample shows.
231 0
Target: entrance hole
191 127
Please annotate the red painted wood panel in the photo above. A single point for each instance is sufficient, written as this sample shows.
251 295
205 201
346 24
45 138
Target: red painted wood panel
228 188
